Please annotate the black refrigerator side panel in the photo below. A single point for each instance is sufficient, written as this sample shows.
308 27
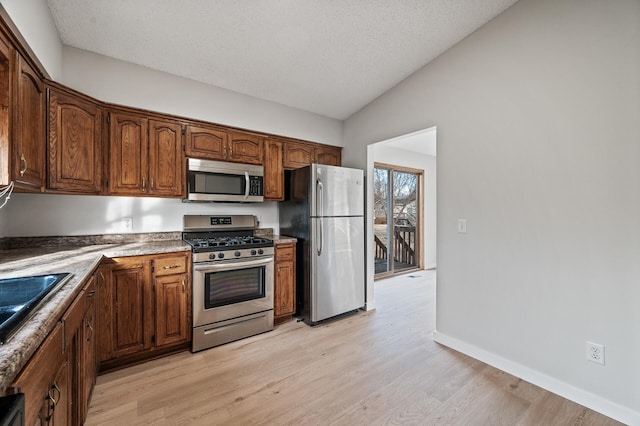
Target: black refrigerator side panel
294 215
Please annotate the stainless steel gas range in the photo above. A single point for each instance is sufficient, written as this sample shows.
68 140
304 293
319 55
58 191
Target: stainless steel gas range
232 279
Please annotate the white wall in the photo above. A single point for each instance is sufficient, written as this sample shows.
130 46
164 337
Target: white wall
3 221
49 214
119 82
36 25
538 131
125 83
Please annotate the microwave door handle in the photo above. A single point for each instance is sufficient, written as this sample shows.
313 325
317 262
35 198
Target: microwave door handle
246 185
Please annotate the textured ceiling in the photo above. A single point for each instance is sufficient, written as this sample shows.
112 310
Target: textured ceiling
327 57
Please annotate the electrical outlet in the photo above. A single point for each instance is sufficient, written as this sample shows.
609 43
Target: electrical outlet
462 226
595 353
127 224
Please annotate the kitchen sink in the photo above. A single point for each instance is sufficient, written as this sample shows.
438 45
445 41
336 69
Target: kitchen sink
21 297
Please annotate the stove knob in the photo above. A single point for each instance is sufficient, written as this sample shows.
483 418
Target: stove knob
260 251
212 256
237 254
220 256
253 252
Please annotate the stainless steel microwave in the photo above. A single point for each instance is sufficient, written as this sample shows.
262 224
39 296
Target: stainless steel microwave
221 181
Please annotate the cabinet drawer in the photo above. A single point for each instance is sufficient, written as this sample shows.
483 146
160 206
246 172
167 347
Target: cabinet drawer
285 252
170 265
35 379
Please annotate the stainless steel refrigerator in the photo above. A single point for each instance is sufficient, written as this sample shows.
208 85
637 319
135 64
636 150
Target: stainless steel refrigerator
324 209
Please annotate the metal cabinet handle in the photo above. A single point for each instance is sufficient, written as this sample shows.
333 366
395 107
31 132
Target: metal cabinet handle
90 328
152 187
144 184
24 160
91 293
230 151
183 286
170 266
224 151
54 387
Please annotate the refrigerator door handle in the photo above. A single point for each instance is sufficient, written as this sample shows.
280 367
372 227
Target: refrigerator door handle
321 205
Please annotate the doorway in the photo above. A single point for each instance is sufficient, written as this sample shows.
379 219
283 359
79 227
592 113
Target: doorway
397 219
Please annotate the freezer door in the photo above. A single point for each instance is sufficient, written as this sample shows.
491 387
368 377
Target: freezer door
337 274
336 191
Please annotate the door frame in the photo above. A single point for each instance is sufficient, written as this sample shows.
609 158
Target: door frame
419 222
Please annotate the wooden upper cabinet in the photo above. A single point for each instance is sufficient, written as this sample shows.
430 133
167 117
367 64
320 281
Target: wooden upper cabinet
297 155
273 170
6 108
28 128
245 148
166 169
75 144
206 142
128 141
329 155
213 143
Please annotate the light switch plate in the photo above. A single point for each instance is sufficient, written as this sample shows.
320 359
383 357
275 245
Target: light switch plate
462 226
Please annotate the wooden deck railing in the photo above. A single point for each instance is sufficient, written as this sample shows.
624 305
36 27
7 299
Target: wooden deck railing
404 240
381 248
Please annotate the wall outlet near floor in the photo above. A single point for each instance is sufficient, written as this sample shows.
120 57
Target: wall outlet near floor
595 353
462 226
127 224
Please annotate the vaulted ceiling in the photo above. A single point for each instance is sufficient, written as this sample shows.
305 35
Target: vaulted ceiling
327 57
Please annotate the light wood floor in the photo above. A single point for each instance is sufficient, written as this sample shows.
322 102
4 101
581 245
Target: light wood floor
372 368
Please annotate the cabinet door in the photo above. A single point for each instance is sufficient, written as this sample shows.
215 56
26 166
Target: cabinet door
6 148
329 155
165 159
285 281
206 142
297 155
75 144
126 324
273 171
129 157
172 313
285 300
36 377
60 397
28 134
245 148
89 364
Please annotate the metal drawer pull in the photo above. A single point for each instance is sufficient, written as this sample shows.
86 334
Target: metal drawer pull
91 293
171 267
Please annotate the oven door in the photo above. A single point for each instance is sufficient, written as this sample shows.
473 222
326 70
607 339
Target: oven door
231 289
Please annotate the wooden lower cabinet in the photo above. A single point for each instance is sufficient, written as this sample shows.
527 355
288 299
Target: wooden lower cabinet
143 308
285 282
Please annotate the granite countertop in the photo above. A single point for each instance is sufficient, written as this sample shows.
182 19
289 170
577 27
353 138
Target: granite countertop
81 261
280 239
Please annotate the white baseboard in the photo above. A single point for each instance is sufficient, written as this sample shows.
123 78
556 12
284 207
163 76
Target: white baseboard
601 405
430 266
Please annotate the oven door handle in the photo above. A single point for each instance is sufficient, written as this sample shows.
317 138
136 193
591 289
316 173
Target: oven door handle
236 264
